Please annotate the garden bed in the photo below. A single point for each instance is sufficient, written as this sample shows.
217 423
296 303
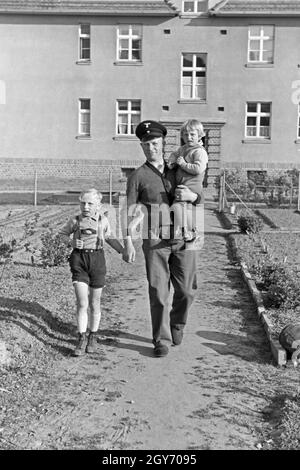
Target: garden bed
270 248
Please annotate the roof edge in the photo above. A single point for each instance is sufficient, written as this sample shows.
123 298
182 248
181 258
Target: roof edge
254 14
154 8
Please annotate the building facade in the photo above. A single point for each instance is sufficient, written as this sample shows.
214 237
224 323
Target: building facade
76 77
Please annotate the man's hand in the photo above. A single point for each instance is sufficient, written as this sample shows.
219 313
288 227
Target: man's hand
184 194
129 251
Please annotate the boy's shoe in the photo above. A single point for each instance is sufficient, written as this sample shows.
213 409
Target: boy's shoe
160 350
80 348
91 346
177 335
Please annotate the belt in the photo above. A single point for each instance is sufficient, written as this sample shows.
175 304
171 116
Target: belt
87 250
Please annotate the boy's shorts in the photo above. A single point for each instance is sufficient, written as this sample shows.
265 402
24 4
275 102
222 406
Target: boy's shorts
88 266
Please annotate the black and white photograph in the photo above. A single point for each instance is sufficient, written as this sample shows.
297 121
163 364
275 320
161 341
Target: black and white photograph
149 229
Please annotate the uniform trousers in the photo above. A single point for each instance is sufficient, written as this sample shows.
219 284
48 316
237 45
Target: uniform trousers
169 263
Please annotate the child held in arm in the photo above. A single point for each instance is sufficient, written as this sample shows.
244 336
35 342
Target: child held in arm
87 262
190 161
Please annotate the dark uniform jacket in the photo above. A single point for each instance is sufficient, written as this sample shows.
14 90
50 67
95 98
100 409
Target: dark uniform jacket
150 194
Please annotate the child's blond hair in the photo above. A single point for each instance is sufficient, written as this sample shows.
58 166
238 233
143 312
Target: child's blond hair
93 192
192 124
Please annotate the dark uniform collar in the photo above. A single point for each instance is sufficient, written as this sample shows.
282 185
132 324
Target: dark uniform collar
153 168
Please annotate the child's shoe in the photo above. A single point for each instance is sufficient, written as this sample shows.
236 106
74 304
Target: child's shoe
80 348
91 346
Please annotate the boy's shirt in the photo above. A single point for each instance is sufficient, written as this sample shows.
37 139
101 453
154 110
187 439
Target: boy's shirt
91 230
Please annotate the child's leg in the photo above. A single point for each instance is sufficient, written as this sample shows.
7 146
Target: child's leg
190 222
82 298
179 212
95 309
94 318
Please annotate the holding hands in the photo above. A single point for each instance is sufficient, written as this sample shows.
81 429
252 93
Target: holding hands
129 251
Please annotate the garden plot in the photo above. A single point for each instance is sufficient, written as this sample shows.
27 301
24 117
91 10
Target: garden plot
283 219
22 228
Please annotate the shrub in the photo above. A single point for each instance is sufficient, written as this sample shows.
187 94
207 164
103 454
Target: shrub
7 248
280 282
30 225
284 291
54 251
249 224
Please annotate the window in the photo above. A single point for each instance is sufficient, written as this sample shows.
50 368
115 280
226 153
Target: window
129 43
298 123
84 121
84 42
193 76
128 116
258 117
194 6
261 44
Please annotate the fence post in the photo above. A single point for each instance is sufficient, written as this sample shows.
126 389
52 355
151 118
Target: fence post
35 188
299 191
221 191
110 187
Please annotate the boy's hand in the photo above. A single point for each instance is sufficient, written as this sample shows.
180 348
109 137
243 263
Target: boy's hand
79 244
180 161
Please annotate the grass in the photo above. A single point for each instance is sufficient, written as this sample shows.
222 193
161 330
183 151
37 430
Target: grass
288 219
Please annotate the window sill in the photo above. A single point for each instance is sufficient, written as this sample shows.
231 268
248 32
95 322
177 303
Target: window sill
297 141
83 137
192 14
256 141
125 137
128 62
259 65
191 101
83 62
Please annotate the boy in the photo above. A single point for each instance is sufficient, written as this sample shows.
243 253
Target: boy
191 160
87 263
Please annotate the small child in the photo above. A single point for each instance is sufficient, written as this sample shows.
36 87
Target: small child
87 263
191 161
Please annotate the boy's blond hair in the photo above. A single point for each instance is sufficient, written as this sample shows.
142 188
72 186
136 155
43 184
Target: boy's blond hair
93 192
192 124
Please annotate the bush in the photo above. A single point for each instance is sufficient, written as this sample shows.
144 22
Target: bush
30 225
54 251
7 249
284 291
280 282
249 224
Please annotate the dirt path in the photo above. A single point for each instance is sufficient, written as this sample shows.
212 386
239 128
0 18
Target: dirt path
208 393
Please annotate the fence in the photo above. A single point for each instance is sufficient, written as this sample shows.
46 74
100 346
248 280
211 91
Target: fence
287 195
39 182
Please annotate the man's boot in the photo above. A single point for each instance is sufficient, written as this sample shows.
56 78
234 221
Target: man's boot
92 343
80 348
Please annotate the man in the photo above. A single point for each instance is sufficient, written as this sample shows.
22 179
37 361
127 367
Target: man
153 187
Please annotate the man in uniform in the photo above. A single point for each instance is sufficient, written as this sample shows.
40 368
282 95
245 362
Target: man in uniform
153 187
